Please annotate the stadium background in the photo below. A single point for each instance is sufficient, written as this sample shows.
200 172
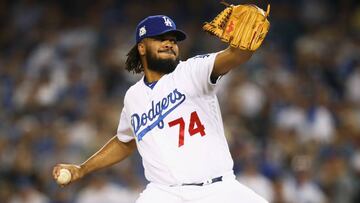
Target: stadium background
291 114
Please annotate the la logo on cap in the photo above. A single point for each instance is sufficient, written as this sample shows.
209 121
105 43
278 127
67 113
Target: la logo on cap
167 21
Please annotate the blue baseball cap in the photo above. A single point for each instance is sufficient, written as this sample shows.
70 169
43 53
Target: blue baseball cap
157 25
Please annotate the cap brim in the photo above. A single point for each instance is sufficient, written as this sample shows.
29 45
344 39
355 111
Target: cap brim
180 35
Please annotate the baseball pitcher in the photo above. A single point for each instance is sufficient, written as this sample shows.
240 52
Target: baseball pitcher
172 115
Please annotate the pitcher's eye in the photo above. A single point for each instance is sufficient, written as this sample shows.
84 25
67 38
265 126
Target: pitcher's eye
172 41
165 38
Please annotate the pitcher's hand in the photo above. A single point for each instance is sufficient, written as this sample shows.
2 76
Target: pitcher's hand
76 172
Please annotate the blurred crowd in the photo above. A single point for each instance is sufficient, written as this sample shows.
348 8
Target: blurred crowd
291 114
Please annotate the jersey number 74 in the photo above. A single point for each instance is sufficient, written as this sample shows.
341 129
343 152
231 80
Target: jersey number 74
195 127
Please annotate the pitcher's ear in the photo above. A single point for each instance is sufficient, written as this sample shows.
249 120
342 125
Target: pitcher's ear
141 48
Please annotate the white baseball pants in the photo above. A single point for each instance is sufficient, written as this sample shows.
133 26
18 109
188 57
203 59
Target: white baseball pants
225 191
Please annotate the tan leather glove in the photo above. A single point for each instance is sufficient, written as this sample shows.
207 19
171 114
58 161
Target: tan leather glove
242 26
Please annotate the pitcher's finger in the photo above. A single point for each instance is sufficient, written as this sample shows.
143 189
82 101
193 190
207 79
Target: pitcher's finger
56 170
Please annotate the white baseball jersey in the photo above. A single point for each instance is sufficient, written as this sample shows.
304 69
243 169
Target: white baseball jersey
177 125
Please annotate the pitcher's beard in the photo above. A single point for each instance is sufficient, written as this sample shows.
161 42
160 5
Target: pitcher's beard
161 65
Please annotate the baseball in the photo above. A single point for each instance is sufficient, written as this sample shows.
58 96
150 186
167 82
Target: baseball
64 176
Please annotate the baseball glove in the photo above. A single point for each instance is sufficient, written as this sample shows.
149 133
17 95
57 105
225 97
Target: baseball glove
242 26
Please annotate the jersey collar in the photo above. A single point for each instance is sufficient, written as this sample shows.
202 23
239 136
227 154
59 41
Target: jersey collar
151 85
